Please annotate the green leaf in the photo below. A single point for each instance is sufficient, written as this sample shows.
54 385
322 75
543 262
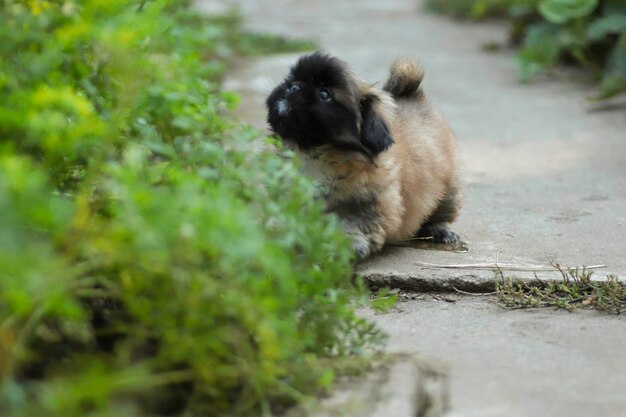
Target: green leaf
603 26
385 300
614 80
541 49
613 7
560 11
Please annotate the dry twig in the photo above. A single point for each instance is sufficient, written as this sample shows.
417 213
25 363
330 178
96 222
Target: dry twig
500 266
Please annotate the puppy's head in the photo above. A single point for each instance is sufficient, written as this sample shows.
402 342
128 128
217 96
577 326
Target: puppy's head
322 103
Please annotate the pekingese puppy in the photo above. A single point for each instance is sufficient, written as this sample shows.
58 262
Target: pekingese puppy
385 159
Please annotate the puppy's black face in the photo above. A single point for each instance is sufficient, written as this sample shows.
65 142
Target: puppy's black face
314 105
319 103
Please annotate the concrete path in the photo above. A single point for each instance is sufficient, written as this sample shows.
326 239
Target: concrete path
545 175
530 363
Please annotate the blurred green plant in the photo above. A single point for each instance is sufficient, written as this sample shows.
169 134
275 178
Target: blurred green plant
384 300
150 262
590 33
473 9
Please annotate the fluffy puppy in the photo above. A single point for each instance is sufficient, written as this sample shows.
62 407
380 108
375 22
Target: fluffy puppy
385 159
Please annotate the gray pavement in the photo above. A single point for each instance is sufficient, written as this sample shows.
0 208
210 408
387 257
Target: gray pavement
530 363
545 180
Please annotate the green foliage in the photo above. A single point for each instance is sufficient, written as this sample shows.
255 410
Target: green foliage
575 290
591 33
561 11
542 47
384 300
150 263
614 80
605 26
474 9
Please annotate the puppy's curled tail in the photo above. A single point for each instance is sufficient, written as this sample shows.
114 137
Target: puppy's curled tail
405 77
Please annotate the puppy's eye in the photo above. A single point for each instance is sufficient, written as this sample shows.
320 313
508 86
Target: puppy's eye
325 94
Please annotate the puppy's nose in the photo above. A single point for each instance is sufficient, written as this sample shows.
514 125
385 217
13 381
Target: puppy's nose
293 88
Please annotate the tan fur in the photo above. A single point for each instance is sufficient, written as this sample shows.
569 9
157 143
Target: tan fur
405 77
411 179
425 151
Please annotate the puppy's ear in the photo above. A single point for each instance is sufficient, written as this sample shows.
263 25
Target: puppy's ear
375 113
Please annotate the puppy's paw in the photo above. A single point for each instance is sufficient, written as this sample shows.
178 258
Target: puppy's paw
361 253
361 248
441 233
446 236
364 242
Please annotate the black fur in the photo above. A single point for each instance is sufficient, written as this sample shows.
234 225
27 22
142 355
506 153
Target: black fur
359 211
447 210
375 135
440 232
437 225
360 217
319 69
310 122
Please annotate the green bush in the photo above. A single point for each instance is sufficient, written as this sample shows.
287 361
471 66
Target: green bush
474 9
591 33
150 262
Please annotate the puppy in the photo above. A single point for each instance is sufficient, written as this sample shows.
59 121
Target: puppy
385 159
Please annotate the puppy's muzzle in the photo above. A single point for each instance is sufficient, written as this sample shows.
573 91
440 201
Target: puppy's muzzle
282 106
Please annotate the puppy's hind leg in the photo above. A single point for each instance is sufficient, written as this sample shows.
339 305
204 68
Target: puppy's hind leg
438 224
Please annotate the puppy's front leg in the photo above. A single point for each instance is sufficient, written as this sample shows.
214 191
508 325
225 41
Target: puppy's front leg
361 221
